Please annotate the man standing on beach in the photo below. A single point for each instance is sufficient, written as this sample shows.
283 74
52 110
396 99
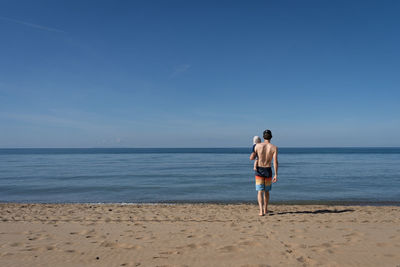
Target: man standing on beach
266 152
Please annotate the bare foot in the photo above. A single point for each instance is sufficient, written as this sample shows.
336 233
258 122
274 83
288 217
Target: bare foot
261 214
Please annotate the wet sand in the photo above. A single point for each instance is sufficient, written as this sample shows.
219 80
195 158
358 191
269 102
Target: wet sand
198 235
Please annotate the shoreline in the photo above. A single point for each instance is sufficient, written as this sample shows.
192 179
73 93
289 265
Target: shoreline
198 235
211 202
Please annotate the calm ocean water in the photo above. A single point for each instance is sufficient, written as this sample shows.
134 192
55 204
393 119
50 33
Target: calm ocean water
349 175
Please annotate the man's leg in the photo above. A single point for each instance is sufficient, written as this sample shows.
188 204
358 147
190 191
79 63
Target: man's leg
260 201
266 200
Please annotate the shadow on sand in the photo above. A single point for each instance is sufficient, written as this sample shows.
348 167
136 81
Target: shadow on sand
271 213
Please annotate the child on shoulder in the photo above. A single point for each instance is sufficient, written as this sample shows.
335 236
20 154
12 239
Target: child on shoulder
256 140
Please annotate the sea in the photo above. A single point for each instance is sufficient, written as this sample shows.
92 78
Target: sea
361 176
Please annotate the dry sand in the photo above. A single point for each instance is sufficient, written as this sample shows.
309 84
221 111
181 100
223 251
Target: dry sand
198 235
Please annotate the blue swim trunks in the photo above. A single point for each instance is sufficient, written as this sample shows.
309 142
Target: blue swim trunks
263 178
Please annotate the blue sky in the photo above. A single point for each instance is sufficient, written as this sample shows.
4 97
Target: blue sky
199 73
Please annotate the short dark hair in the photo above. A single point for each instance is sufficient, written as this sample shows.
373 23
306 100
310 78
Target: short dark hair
267 134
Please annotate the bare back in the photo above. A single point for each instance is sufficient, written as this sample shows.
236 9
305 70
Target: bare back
265 153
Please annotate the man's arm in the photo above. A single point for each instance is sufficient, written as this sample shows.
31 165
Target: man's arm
275 157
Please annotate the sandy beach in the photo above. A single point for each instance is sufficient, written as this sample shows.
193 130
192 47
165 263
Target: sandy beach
198 235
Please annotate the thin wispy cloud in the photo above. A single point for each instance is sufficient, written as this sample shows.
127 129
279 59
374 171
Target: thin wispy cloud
179 70
32 25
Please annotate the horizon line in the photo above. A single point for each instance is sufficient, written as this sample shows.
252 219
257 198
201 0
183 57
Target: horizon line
194 147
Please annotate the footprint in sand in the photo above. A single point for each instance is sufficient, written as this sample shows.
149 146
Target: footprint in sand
192 246
87 232
108 244
169 252
16 244
353 237
30 249
301 259
330 251
229 249
389 255
250 243
326 245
